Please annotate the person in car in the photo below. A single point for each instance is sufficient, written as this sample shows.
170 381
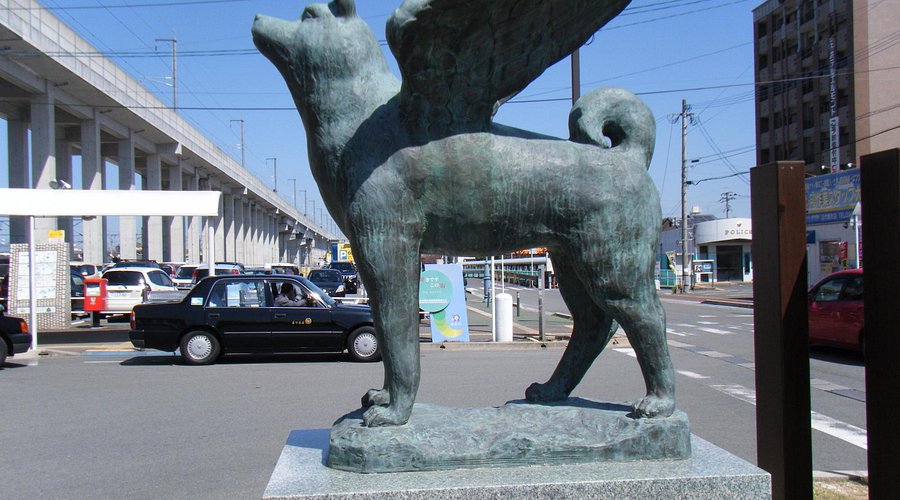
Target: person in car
288 297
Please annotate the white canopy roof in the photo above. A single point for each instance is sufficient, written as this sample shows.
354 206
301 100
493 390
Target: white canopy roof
78 202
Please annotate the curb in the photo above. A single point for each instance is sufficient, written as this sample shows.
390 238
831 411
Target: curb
859 476
729 302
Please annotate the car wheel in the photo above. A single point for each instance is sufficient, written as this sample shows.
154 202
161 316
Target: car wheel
2 352
363 344
200 348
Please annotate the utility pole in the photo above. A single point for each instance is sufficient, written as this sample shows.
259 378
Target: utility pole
275 172
174 43
304 201
726 199
242 142
685 116
576 76
294 183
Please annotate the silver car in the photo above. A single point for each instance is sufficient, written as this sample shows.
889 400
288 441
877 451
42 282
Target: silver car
128 286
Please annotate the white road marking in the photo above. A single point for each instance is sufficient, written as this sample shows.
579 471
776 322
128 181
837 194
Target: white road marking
708 316
714 354
674 343
627 351
822 423
691 374
707 322
714 330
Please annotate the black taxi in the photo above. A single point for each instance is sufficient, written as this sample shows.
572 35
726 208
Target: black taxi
244 314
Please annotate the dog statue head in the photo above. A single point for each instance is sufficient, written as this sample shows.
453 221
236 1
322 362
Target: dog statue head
327 44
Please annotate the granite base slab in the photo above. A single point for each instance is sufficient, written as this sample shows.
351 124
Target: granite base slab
710 473
516 434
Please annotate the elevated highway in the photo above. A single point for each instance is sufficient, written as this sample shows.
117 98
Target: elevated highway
63 100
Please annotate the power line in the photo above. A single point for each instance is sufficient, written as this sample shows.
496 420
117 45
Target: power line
125 6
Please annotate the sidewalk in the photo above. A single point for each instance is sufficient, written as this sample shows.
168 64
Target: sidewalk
726 293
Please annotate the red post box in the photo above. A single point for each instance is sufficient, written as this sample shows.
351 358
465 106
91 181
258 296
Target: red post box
94 294
95 298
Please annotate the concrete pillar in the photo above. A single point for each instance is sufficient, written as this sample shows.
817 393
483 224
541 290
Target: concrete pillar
228 215
91 161
258 235
218 223
246 228
194 223
17 152
64 173
267 236
127 224
107 225
43 154
153 244
251 232
238 228
174 226
248 231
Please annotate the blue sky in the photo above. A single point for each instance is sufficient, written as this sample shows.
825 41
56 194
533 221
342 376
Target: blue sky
663 50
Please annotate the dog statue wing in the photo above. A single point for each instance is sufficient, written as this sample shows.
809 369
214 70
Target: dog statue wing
459 58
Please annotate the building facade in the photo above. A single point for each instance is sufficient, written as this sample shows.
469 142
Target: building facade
720 250
827 81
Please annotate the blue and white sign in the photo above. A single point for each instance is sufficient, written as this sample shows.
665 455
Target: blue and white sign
832 197
443 295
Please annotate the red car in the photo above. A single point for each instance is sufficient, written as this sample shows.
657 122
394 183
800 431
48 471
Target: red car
836 310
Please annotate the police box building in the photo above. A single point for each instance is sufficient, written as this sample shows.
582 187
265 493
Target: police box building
719 248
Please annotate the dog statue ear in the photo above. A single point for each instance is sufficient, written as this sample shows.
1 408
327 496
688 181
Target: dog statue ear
347 7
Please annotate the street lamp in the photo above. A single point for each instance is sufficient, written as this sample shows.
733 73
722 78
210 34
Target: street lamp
304 201
242 140
294 184
275 172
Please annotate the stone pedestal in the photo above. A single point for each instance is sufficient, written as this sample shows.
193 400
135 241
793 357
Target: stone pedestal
516 434
710 473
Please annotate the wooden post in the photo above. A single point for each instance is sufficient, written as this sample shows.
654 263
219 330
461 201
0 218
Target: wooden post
783 431
880 195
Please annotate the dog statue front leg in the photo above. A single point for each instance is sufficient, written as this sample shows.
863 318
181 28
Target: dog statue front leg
391 274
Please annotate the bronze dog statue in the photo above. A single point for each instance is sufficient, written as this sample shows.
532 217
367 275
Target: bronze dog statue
420 167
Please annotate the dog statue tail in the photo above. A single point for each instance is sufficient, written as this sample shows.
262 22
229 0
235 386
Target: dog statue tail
614 118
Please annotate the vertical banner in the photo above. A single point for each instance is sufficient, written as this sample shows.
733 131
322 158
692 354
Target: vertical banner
443 296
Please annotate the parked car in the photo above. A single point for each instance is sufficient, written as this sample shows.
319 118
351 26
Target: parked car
14 336
4 277
202 270
281 268
330 280
237 314
170 267
836 310
129 286
134 263
76 292
348 270
84 269
184 276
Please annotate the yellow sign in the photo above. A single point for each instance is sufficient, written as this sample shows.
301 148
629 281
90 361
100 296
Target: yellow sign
56 235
